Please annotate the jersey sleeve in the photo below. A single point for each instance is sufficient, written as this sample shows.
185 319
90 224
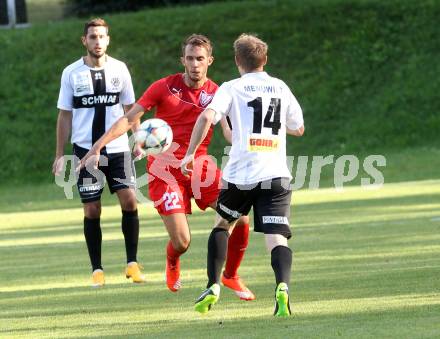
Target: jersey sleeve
221 103
127 94
294 117
151 96
65 97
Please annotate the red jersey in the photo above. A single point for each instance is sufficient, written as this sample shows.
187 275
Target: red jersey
180 106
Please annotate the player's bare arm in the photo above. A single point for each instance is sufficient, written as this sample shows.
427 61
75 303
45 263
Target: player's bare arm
64 126
199 133
297 132
227 133
136 124
137 151
129 121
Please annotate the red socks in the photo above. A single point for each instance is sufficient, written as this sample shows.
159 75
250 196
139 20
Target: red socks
237 244
172 254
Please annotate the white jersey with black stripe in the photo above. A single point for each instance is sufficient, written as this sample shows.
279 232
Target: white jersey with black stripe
259 107
95 96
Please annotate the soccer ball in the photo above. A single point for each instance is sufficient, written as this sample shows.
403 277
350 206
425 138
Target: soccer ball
154 136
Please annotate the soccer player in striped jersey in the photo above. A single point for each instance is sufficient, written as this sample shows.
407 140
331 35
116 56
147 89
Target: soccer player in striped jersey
262 109
95 91
179 99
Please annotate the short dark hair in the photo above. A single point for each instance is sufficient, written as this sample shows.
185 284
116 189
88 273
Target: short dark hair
250 51
197 40
96 22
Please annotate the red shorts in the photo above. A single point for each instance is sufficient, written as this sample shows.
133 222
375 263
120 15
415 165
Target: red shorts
171 191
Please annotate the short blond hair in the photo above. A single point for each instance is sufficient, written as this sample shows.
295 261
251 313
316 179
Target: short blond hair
250 51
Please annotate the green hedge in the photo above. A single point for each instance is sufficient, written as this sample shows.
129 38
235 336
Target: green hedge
365 72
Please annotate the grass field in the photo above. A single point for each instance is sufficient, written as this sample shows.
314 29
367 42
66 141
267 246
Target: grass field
366 265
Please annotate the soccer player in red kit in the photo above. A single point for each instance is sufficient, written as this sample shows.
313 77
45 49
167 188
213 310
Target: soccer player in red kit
179 99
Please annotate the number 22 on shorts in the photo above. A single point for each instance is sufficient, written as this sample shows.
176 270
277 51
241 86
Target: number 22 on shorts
171 200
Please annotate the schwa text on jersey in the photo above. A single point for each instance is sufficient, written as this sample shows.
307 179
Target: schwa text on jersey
87 101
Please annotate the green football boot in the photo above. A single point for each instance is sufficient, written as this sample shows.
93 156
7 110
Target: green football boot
282 306
208 298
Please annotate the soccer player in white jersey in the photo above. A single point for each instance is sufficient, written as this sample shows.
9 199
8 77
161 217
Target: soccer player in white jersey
262 109
95 91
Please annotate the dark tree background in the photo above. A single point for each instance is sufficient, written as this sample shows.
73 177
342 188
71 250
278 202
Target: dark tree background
87 7
20 12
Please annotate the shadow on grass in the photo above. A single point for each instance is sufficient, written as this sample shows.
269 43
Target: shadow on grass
217 324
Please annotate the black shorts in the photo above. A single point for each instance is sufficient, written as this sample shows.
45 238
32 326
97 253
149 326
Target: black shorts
119 172
270 200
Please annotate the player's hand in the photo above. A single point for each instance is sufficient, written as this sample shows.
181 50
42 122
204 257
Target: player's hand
58 165
187 164
138 152
90 160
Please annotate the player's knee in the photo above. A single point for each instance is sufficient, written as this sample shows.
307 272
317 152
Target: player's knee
128 202
243 220
92 210
274 240
129 205
181 244
223 223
